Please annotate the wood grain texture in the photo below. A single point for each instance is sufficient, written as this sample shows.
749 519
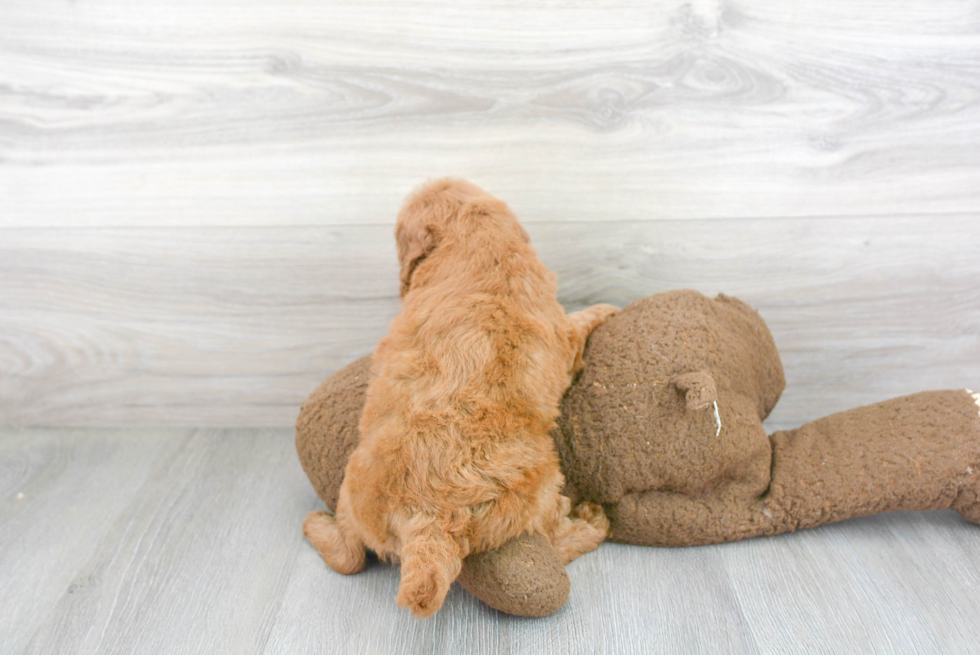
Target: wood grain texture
300 113
197 196
196 200
189 541
220 326
60 494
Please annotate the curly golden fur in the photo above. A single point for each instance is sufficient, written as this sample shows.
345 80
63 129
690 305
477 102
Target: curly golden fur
455 455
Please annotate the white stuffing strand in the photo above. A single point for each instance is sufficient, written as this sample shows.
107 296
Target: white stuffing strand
718 419
976 399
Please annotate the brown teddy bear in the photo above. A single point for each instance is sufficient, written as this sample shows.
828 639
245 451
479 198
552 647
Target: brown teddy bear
663 428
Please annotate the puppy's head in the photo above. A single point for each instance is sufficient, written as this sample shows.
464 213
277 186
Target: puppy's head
443 208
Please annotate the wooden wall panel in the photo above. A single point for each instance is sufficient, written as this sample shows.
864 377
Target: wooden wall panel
196 198
235 326
305 113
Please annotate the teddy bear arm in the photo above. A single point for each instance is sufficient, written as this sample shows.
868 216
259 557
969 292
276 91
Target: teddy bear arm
657 518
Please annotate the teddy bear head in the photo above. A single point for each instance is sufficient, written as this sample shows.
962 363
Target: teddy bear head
671 399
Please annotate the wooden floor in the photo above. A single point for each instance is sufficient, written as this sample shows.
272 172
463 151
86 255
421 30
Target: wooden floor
189 541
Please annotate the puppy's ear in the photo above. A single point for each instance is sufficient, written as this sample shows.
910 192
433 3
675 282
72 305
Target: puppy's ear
414 245
426 213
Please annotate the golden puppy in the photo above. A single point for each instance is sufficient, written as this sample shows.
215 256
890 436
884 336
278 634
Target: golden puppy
455 455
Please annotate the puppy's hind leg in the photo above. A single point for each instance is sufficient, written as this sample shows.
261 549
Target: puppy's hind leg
431 560
581 533
337 544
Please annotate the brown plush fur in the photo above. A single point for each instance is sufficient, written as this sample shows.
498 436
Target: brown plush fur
454 455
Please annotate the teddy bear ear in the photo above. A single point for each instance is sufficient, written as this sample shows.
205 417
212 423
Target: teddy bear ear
699 388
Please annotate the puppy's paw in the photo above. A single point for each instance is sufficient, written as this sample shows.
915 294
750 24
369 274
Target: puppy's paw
345 556
593 514
318 524
604 311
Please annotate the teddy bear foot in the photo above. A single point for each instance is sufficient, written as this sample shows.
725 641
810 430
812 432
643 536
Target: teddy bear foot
968 501
972 515
501 579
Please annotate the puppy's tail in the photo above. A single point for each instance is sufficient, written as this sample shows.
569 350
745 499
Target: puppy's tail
431 559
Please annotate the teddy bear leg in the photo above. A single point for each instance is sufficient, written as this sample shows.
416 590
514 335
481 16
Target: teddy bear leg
581 324
917 452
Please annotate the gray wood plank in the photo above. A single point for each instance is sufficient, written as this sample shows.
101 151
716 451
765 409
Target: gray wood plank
220 326
166 113
60 494
196 563
188 541
880 584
